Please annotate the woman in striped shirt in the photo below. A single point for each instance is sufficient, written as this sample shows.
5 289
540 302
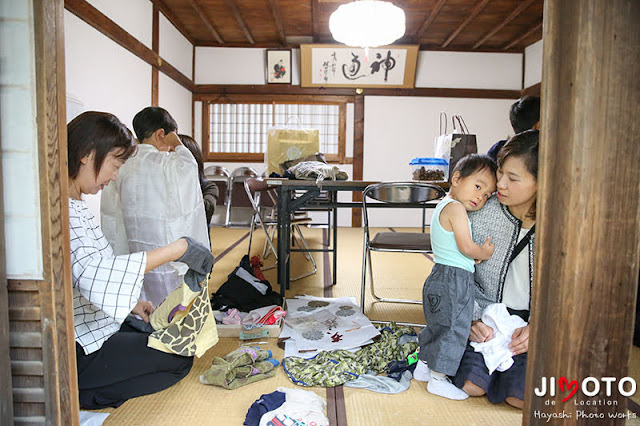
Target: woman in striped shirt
114 362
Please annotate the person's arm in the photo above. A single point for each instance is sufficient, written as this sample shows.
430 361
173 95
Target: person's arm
168 253
457 216
210 193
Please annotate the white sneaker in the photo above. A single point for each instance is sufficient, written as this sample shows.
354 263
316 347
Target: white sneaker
443 387
422 372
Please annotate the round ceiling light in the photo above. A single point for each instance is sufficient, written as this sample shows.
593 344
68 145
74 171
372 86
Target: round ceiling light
367 23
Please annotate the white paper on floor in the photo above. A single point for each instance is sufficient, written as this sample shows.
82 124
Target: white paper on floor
327 324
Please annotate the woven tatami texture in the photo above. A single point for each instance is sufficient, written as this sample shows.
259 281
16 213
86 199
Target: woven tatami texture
397 275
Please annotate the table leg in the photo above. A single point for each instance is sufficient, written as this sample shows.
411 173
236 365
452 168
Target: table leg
284 237
335 239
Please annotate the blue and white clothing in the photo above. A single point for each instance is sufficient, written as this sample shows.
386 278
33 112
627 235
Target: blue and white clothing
105 287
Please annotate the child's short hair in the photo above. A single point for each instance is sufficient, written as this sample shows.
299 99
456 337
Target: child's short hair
150 119
472 163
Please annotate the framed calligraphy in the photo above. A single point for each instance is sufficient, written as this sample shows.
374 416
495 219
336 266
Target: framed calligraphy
278 66
332 65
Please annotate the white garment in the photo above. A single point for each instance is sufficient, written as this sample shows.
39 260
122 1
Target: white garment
516 284
155 200
496 352
105 287
299 404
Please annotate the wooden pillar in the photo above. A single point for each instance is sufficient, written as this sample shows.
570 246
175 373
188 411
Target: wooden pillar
55 298
588 238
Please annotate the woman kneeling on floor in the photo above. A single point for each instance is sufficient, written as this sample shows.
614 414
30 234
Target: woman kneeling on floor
509 218
114 362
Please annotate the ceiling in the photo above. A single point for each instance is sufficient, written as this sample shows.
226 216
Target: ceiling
468 25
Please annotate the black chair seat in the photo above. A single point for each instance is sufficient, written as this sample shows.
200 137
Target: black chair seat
401 241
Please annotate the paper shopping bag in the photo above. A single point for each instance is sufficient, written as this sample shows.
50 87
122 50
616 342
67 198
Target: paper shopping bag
286 143
455 145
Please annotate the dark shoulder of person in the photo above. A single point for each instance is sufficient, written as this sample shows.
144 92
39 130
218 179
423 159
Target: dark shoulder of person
495 149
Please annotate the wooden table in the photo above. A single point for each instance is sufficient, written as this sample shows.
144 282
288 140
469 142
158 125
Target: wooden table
296 195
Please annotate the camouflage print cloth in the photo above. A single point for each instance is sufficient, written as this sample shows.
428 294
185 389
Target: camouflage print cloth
333 368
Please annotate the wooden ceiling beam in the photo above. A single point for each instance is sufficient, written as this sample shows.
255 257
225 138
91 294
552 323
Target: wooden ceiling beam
92 16
205 21
236 14
429 19
523 36
168 13
517 11
474 12
277 19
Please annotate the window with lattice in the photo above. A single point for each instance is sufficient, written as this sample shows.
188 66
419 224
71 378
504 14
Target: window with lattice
239 130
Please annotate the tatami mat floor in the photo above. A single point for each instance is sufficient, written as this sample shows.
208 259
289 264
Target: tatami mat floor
397 275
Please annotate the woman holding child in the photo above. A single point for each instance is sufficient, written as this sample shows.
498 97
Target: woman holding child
508 218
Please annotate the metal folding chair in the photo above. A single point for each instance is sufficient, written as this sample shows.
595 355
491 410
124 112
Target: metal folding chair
400 195
221 177
240 210
264 203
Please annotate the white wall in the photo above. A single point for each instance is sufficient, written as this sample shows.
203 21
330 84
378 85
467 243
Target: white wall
469 70
533 64
249 65
101 74
174 47
397 129
177 100
134 16
18 133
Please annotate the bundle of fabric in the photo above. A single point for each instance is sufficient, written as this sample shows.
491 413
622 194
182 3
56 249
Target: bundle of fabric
318 171
287 407
244 291
240 367
333 368
183 324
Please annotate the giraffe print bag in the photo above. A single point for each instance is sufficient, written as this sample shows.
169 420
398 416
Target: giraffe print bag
184 322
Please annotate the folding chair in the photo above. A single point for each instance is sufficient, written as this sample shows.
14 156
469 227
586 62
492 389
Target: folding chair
264 202
240 210
400 195
221 177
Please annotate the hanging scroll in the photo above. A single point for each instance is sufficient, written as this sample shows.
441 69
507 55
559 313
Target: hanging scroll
328 65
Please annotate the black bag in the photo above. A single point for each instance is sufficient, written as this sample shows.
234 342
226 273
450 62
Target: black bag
239 294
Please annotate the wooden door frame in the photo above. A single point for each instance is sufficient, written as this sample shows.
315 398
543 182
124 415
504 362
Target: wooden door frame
56 301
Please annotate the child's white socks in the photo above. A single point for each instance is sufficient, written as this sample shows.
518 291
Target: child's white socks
440 385
422 372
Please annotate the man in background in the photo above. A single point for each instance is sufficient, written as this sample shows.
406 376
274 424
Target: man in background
524 115
155 200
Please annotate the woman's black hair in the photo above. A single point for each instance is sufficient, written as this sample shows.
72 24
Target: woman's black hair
100 132
525 147
472 163
150 119
193 146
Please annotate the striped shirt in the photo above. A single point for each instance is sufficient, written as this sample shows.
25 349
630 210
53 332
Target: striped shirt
105 287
